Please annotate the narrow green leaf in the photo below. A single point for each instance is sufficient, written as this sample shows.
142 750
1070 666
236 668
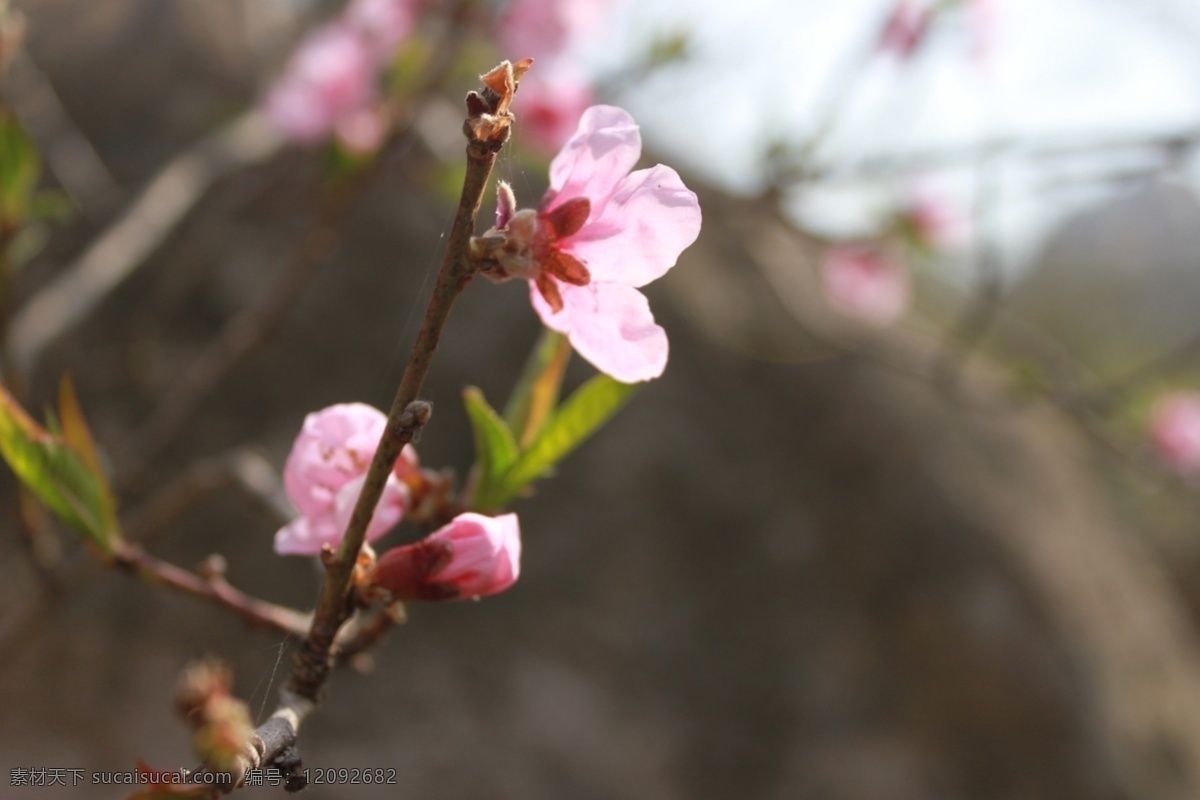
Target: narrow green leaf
580 416
78 437
19 170
57 475
495 449
536 393
74 429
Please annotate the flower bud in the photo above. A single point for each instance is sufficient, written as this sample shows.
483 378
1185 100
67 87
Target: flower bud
221 722
472 556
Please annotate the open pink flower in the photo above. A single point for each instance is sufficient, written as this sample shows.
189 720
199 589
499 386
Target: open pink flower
600 233
330 76
472 556
324 476
865 282
1175 432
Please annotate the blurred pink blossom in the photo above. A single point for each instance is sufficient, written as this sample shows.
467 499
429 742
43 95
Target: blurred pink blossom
549 105
982 21
1175 432
384 24
324 476
905 28
472 556
330 76
932 222
600 233
361 132
543 28
865 282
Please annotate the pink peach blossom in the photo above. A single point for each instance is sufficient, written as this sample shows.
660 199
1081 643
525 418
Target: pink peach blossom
331 75
324 476
600 233
362 131
472 556
543 28
865 282
932 222
1175 432
905 28
384 24
549 106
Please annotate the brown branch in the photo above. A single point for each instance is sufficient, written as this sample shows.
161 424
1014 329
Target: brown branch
406 415
268 741
366 631
213 587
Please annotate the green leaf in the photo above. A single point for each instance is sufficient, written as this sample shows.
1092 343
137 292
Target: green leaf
495 448
57 473
580 416
75 431
19 171
536 394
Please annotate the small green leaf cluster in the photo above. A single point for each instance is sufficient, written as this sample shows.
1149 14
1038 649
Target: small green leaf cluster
535 431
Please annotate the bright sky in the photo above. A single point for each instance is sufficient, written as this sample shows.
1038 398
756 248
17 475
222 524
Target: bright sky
1059 70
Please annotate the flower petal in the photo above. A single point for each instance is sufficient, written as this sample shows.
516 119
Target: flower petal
650 219
388 511
605 147
611 326
335 444
486 558
305 537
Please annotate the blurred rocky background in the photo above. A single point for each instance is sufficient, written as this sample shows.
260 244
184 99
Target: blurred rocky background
789 569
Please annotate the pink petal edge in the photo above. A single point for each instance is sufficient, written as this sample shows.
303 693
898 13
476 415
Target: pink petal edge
611 326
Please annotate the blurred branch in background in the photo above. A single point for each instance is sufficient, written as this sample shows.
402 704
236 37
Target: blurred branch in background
139 230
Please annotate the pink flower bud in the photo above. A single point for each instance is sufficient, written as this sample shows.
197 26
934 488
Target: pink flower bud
865 282
324 476
1175 432
472 556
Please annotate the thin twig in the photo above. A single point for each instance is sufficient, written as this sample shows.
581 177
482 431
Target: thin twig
405 417
364 632
212 587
